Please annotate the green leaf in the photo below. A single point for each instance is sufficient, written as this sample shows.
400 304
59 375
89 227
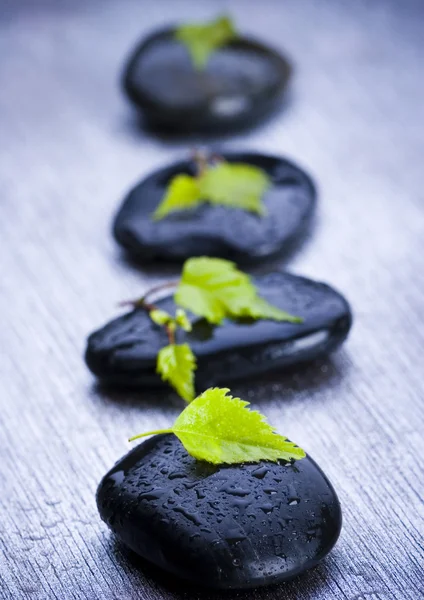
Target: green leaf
214 288
261 309
182 320
210 286
202 39
183 192
237 185
176 365
160 317
220 429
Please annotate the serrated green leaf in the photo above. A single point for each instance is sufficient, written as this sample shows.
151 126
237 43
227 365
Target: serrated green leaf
160 317
261 309
214 288
220 429
182 320
202 39
183 192
209 287
237 185
176 364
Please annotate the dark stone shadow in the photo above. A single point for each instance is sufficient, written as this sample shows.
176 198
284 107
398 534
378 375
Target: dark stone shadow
158 269
284 386
137 127
171 270
311 377
306 585
131 398
298 243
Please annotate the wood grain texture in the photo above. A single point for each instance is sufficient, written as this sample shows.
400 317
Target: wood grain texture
70 149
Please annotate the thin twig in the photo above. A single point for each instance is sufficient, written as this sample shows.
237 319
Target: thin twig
142 302
158 288
171 334
201 160
216 158
149 306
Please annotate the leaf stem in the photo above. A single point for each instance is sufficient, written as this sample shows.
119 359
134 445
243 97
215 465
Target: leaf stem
158 288
149 306
155 432
201 160
142 303
171 334
217 158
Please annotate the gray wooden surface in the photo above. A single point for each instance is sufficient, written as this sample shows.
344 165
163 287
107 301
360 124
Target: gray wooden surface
70 148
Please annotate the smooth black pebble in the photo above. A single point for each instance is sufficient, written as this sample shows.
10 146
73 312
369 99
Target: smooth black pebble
124 351
242 82
217 231
238 526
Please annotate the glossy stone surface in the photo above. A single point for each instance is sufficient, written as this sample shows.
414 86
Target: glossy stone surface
217 230
124 351
67 152
238 526
241 83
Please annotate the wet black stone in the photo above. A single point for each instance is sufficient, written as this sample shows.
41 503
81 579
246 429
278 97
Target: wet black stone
225 526
241 83
124 351
217 230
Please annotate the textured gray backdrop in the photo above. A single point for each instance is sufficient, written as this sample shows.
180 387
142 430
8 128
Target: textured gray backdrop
70 149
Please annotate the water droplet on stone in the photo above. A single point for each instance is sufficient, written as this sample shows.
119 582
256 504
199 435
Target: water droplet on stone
293 501
177 475
188 515
117 477
260 525
233 491
260 473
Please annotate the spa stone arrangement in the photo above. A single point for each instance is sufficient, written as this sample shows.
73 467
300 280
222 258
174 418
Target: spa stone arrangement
219 497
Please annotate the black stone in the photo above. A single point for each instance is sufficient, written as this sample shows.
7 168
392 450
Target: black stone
238 526
242 82
124 351
217 230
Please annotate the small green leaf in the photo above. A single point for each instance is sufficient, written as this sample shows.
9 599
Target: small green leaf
202 39
183 192
208 287
160 317
261 309
220 429
182 320
176 365
237 185
214 288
